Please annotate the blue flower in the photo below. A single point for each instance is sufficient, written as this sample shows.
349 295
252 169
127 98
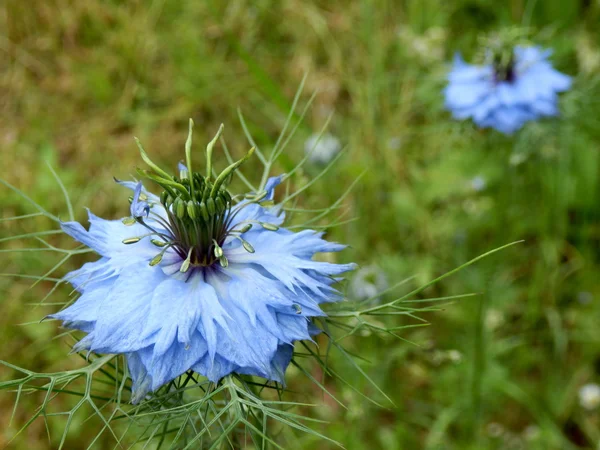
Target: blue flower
505 96
195 281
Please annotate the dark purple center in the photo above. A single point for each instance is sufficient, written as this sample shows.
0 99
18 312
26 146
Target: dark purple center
504 72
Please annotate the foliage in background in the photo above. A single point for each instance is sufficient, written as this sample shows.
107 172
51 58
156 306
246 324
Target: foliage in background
502 370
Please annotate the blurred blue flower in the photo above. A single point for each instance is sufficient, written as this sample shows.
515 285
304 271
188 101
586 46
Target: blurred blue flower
504 98
322 148
213 289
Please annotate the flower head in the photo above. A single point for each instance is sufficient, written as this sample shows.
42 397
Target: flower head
198 279
508 91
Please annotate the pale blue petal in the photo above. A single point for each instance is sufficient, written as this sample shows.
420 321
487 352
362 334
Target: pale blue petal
214 368
175 361
106 237
133 185
123 314
142 381
139 208
175 311
459 95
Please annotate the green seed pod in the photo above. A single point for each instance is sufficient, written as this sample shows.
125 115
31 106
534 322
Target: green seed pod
163 197
204 211
210 204
191 209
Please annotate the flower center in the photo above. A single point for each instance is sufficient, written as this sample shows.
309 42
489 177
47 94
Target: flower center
504 70
197 222
198 211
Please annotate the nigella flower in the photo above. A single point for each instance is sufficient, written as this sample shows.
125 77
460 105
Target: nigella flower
196 279
508 92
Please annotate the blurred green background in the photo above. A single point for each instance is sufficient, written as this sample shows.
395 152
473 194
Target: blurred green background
501 370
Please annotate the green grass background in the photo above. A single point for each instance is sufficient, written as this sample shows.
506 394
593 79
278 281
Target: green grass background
78 79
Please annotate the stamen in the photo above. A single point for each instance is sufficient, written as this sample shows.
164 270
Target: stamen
269 226
247 246
218 250
158 258
186 264
246 228
259 196
128 221
132 240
